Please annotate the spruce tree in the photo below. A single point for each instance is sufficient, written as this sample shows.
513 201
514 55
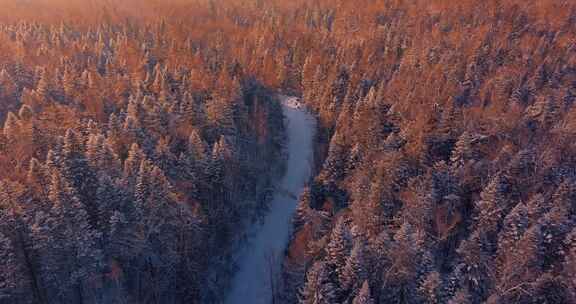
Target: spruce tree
340 243
133 162
220 114
492 205
26 113
11 126
319 287
364 296
13 281
463 151
66 243
355 269
197 148
42 86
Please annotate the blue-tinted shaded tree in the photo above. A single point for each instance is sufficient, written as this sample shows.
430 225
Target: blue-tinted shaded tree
13 282
320 287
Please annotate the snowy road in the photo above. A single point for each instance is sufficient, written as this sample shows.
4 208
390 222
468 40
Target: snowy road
251 284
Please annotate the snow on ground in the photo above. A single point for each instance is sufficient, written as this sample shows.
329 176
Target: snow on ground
291 102
251 284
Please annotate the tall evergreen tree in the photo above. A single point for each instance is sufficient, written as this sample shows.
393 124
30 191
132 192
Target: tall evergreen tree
66 241
355 271
319 287
13 281
340 244
133 162
364 296
11 126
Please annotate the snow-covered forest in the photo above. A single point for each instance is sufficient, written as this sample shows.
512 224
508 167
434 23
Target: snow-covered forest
131 162
143 141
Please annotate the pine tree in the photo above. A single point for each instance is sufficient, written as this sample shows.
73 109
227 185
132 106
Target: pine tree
66 242
159 83
26 113
133 162
364 296
319 287
189 110
524 262
42 87
308 78
537 206
36 177
215 172
155 118
379 249
522 164
355 269
492 206
109 200
109 159
76 170
461 297
223 159
142 188
430 287
68 83
303 210
339 246
54 158
11 126
133 112
13 281
569 264
197 148
114 125
463 151
93 148
158 218
515 224
340 84
164 158
336 161
8 85
220 113
473 271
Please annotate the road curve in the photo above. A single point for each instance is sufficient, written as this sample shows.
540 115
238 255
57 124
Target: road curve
251 284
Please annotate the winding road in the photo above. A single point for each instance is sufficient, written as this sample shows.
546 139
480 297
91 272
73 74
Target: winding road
263 255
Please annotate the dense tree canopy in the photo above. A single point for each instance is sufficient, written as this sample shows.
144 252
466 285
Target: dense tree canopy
134 133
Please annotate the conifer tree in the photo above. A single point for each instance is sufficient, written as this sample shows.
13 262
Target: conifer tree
461 297
354 271
94 147
109 200
36 177
11 126
164 158
197 148
492 205
26 113
319 287
66 241
133 162
220 114
76 170
340 244
463 151
364 296
13 281
42 87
